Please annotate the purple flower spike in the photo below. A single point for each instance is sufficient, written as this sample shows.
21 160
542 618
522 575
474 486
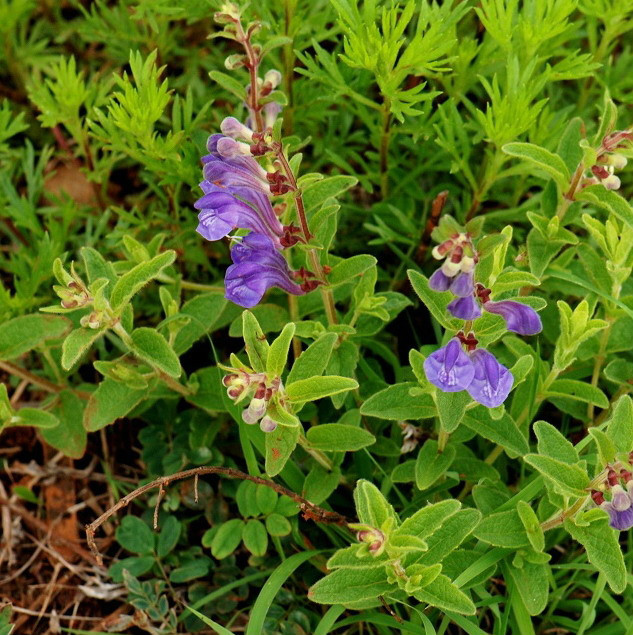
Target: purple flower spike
492 381
439 281
465 308
519 318
449 368
258 267
463 285
221 213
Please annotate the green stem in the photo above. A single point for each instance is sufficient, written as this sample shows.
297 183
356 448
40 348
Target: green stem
563 516
385 138
317 455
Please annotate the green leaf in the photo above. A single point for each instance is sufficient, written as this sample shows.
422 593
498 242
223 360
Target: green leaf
606 447
349 558
110 401
279 446
278 352
21 334
199 568
77 343
130 283
207 312
266 499
227 538
451 407
318 387
256 344
135 536
620 426
255 537
350 268
431 464
553 444
337 437
609 200
532 525
314 360
443 594
318 192
229 84
150 346
603 550
168 536
532 583
578 390
435 302
350 585
502 431
503 529
396 403
372 508
135 566
542 159
454 530
568 480
34 417
69 436
320 483
271 587
211 393
428 519
277 525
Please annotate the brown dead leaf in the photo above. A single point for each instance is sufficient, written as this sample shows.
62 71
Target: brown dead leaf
58 498
67 178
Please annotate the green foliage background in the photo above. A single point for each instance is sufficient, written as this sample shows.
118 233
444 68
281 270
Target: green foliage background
105 108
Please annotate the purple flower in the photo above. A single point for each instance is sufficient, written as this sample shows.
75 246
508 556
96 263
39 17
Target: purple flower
439 281
222 212
465 308
492 381
519 318
463 285
257 267
620 507
449 368
232 171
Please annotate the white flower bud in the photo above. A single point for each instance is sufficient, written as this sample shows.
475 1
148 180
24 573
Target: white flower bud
267 424
273 77
612 182
467 264
620 500
235 129
618 161
229 148
450 268
255 411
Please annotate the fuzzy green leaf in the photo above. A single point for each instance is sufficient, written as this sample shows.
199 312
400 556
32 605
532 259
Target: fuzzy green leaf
318 387
337 437
431 464
21 334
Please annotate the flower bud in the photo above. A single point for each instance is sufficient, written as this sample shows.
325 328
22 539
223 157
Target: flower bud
450 268
92 320
255 411
612 182
273 78
620 500
235 129
374 538
467 264
618 161
229 148
233 62
267 424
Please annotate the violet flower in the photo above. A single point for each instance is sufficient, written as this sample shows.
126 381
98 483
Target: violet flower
449 368
620 507
222 212
439 281
464 308
491 382
257 267
519 318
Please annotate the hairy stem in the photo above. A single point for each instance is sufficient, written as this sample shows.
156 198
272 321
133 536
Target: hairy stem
310 510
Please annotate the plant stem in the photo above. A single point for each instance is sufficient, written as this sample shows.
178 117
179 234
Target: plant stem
47 385
385 138
315 263
562 517
310 510
317 455
252 64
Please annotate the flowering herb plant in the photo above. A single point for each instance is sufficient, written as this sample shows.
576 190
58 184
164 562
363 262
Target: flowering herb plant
363 264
